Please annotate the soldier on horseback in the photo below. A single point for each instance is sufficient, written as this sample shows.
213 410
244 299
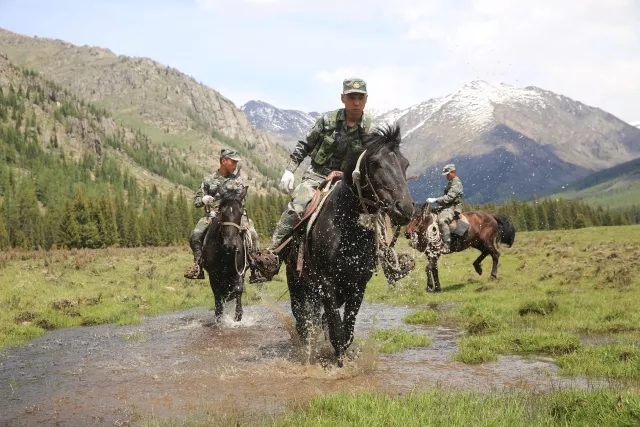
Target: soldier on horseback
332 137
208 195
450 203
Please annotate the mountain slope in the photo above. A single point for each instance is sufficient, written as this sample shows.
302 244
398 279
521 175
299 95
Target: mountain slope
172 108
509 142
284 126
616 187
72 177
62 124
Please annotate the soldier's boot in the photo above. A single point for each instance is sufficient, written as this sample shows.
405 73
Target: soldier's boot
267 261
255 276
446 239
195 271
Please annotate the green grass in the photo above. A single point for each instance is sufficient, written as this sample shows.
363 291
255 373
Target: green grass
572 295
422 317
442 408
623 196
396 340
438 408
569 294
45 291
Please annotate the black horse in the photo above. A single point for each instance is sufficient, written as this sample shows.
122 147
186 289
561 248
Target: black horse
224 251
341 252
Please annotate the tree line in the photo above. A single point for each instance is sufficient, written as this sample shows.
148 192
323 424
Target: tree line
559 214
49 200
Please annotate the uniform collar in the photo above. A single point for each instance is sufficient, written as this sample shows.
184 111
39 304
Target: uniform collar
230 176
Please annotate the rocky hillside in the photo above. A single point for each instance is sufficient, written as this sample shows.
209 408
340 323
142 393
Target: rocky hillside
65 126
169 106
284 126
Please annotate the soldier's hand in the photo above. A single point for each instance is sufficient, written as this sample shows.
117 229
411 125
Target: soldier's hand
286 182
431 200
207 200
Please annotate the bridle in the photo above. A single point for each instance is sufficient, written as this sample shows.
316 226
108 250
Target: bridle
377 204
240 230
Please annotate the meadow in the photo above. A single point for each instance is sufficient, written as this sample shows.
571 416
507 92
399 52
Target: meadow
571 295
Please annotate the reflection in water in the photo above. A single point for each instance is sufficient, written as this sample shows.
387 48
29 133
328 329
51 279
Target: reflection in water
175 364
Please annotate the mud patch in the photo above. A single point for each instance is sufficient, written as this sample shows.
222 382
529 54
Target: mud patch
179 364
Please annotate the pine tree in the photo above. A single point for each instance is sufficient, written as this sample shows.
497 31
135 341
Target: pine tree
69 232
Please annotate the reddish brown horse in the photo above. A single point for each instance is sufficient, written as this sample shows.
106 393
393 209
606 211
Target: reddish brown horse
484 232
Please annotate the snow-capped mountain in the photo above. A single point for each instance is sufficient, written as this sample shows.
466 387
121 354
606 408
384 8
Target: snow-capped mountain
636 124
285 126
507 141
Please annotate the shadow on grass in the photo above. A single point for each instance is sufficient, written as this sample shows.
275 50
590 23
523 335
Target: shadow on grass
453 288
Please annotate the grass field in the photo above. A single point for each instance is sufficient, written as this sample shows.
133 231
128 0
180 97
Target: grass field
608 195
572 295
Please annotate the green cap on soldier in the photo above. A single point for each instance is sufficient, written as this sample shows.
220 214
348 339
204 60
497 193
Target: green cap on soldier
230 154
354 85
448 168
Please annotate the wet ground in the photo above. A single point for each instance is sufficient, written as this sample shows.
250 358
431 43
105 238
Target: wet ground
181 364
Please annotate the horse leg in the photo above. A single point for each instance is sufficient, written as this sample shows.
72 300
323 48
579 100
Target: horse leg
238 291
351 308
495 256
219 306
336 327
436 278
433 284
478 261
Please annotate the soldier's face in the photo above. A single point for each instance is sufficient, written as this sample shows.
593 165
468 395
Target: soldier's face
451 175
228 165
354 103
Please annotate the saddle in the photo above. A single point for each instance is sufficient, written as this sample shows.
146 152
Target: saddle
459 225
268 263
319 195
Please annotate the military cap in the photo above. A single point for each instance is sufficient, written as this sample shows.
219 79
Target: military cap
230 154
448 168
354 85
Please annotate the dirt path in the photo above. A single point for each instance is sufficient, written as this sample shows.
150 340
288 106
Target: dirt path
179 364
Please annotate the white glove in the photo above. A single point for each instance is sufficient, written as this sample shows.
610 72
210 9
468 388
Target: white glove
431 200
286 182
207 200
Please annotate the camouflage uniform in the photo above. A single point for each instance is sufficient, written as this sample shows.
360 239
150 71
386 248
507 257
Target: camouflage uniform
327 143
451 201
213 185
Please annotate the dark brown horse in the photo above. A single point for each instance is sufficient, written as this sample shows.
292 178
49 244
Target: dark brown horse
484 232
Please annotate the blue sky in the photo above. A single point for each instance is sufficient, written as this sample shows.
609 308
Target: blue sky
295 54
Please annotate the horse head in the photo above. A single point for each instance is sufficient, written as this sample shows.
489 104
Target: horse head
420 221
378 172
230 210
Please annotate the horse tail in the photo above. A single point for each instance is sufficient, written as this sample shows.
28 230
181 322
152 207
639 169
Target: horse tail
506 230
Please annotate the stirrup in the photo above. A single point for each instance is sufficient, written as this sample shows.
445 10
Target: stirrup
198 274
267 263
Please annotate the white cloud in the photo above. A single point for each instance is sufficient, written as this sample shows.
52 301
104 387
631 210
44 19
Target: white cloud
586 49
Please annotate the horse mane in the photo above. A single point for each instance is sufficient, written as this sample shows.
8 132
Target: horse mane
385 135
232 194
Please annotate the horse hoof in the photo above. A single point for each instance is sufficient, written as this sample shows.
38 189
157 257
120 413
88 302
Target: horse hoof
479 271
430 290
340 363
493 277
